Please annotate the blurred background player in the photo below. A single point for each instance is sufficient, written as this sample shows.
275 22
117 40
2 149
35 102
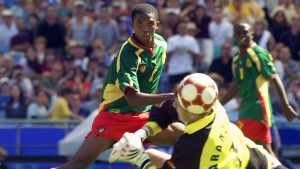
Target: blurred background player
129 89
210 139
253 70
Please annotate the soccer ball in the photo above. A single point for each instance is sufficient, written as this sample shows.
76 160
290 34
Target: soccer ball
197 93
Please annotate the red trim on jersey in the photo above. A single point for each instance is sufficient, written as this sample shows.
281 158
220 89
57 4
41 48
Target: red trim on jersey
127 87
264 109
135 41
273 77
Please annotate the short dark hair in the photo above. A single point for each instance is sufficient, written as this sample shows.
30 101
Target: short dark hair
243 24
144 9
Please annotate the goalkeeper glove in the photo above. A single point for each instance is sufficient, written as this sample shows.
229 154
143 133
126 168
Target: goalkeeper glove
130 149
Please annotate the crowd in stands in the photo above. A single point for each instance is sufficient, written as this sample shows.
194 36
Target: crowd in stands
55 53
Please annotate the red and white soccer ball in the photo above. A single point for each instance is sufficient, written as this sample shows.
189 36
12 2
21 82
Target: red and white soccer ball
197 93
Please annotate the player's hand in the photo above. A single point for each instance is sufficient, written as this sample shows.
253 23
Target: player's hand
289 113
130 149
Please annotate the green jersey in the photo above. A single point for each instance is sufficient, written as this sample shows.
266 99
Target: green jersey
134 66
252 68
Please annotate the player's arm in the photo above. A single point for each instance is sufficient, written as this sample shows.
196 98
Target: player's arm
136 98
287 109
269 72
231 93
160 118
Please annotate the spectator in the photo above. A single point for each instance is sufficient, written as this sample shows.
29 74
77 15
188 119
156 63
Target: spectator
222 64
81 59
278 24
220 30
30 63
20 41
53 80
40 44
291 67
291 38
69 65
210 5
182 48
107 29
17 77
262 36
202 21
52 30
255 9
61 109
96 73
7 63
96 43
26 9
172 19
94 99
8 29
289 8
71 49
77 108
80 24
277 62
64 9
16 107
38 109
238 11
33 22
50 58
103 59
79 83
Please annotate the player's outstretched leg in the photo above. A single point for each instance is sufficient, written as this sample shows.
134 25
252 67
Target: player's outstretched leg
88 152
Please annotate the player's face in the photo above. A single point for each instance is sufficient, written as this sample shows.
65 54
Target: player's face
242 35
183 115
145 26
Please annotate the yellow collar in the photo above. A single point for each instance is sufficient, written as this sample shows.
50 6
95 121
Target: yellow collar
200 124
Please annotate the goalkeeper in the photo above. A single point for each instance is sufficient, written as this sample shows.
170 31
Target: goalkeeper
210 141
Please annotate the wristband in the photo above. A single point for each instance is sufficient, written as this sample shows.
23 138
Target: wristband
143 133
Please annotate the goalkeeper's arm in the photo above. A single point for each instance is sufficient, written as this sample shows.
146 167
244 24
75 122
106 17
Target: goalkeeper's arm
160 118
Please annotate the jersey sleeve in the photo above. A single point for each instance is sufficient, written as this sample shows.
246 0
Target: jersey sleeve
127 64
267 66
163 115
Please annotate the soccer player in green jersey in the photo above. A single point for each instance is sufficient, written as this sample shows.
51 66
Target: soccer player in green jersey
253 70
129 90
